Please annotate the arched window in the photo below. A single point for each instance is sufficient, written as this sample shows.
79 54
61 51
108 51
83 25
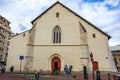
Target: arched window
57 35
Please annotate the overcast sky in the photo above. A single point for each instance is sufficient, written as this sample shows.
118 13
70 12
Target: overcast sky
104 14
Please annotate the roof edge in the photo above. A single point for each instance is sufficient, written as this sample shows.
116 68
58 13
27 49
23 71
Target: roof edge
45 11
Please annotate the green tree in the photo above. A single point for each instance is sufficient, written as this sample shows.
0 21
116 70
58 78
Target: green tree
115 61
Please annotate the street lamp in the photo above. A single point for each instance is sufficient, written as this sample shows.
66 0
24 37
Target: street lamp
92 60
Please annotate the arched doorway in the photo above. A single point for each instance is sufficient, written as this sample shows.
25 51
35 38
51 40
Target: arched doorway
56 63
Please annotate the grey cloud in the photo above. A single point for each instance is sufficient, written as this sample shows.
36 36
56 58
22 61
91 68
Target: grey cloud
22 27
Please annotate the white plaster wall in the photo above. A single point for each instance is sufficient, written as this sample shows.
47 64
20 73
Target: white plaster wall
17 47
70 55
98 46
67 22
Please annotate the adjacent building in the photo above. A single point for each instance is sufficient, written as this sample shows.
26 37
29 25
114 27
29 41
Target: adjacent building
60 37
116 54
4 39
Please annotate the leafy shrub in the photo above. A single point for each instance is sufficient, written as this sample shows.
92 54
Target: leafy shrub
56 72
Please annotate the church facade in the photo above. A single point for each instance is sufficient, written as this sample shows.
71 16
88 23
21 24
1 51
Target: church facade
60 37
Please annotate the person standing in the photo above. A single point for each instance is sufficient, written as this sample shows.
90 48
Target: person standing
11 68
3 69
70 69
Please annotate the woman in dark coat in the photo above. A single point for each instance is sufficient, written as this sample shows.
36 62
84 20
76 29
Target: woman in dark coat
11 68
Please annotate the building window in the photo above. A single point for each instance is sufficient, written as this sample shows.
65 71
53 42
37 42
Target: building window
57 14
106 57
0 17
94 36
0 24
57 35
2 49
24 35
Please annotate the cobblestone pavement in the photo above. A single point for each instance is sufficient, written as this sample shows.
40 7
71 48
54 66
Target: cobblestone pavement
12 77
79 76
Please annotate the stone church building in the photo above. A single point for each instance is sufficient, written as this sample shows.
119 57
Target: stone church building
60 37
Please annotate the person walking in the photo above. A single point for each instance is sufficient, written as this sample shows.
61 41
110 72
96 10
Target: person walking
66 71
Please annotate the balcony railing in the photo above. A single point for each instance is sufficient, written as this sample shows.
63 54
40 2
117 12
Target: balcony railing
2 33
1 39
8 43
1 53
2 46
7 49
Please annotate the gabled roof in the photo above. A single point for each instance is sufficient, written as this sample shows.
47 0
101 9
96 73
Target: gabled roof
74 14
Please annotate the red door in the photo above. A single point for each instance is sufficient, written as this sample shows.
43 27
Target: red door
56 63
95 64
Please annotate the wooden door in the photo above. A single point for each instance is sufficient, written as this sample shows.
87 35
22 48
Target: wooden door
56 63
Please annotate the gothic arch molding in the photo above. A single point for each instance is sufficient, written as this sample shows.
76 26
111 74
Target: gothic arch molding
55 61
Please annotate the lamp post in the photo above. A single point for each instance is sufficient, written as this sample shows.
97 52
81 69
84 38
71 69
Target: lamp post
92 60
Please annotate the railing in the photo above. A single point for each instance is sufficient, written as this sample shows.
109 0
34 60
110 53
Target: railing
7 49
2 46
8 43
1 53
1 39
4 34
48 72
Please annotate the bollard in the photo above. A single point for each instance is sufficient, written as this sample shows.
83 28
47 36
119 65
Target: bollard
74 77
98 75
85 72
108 76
